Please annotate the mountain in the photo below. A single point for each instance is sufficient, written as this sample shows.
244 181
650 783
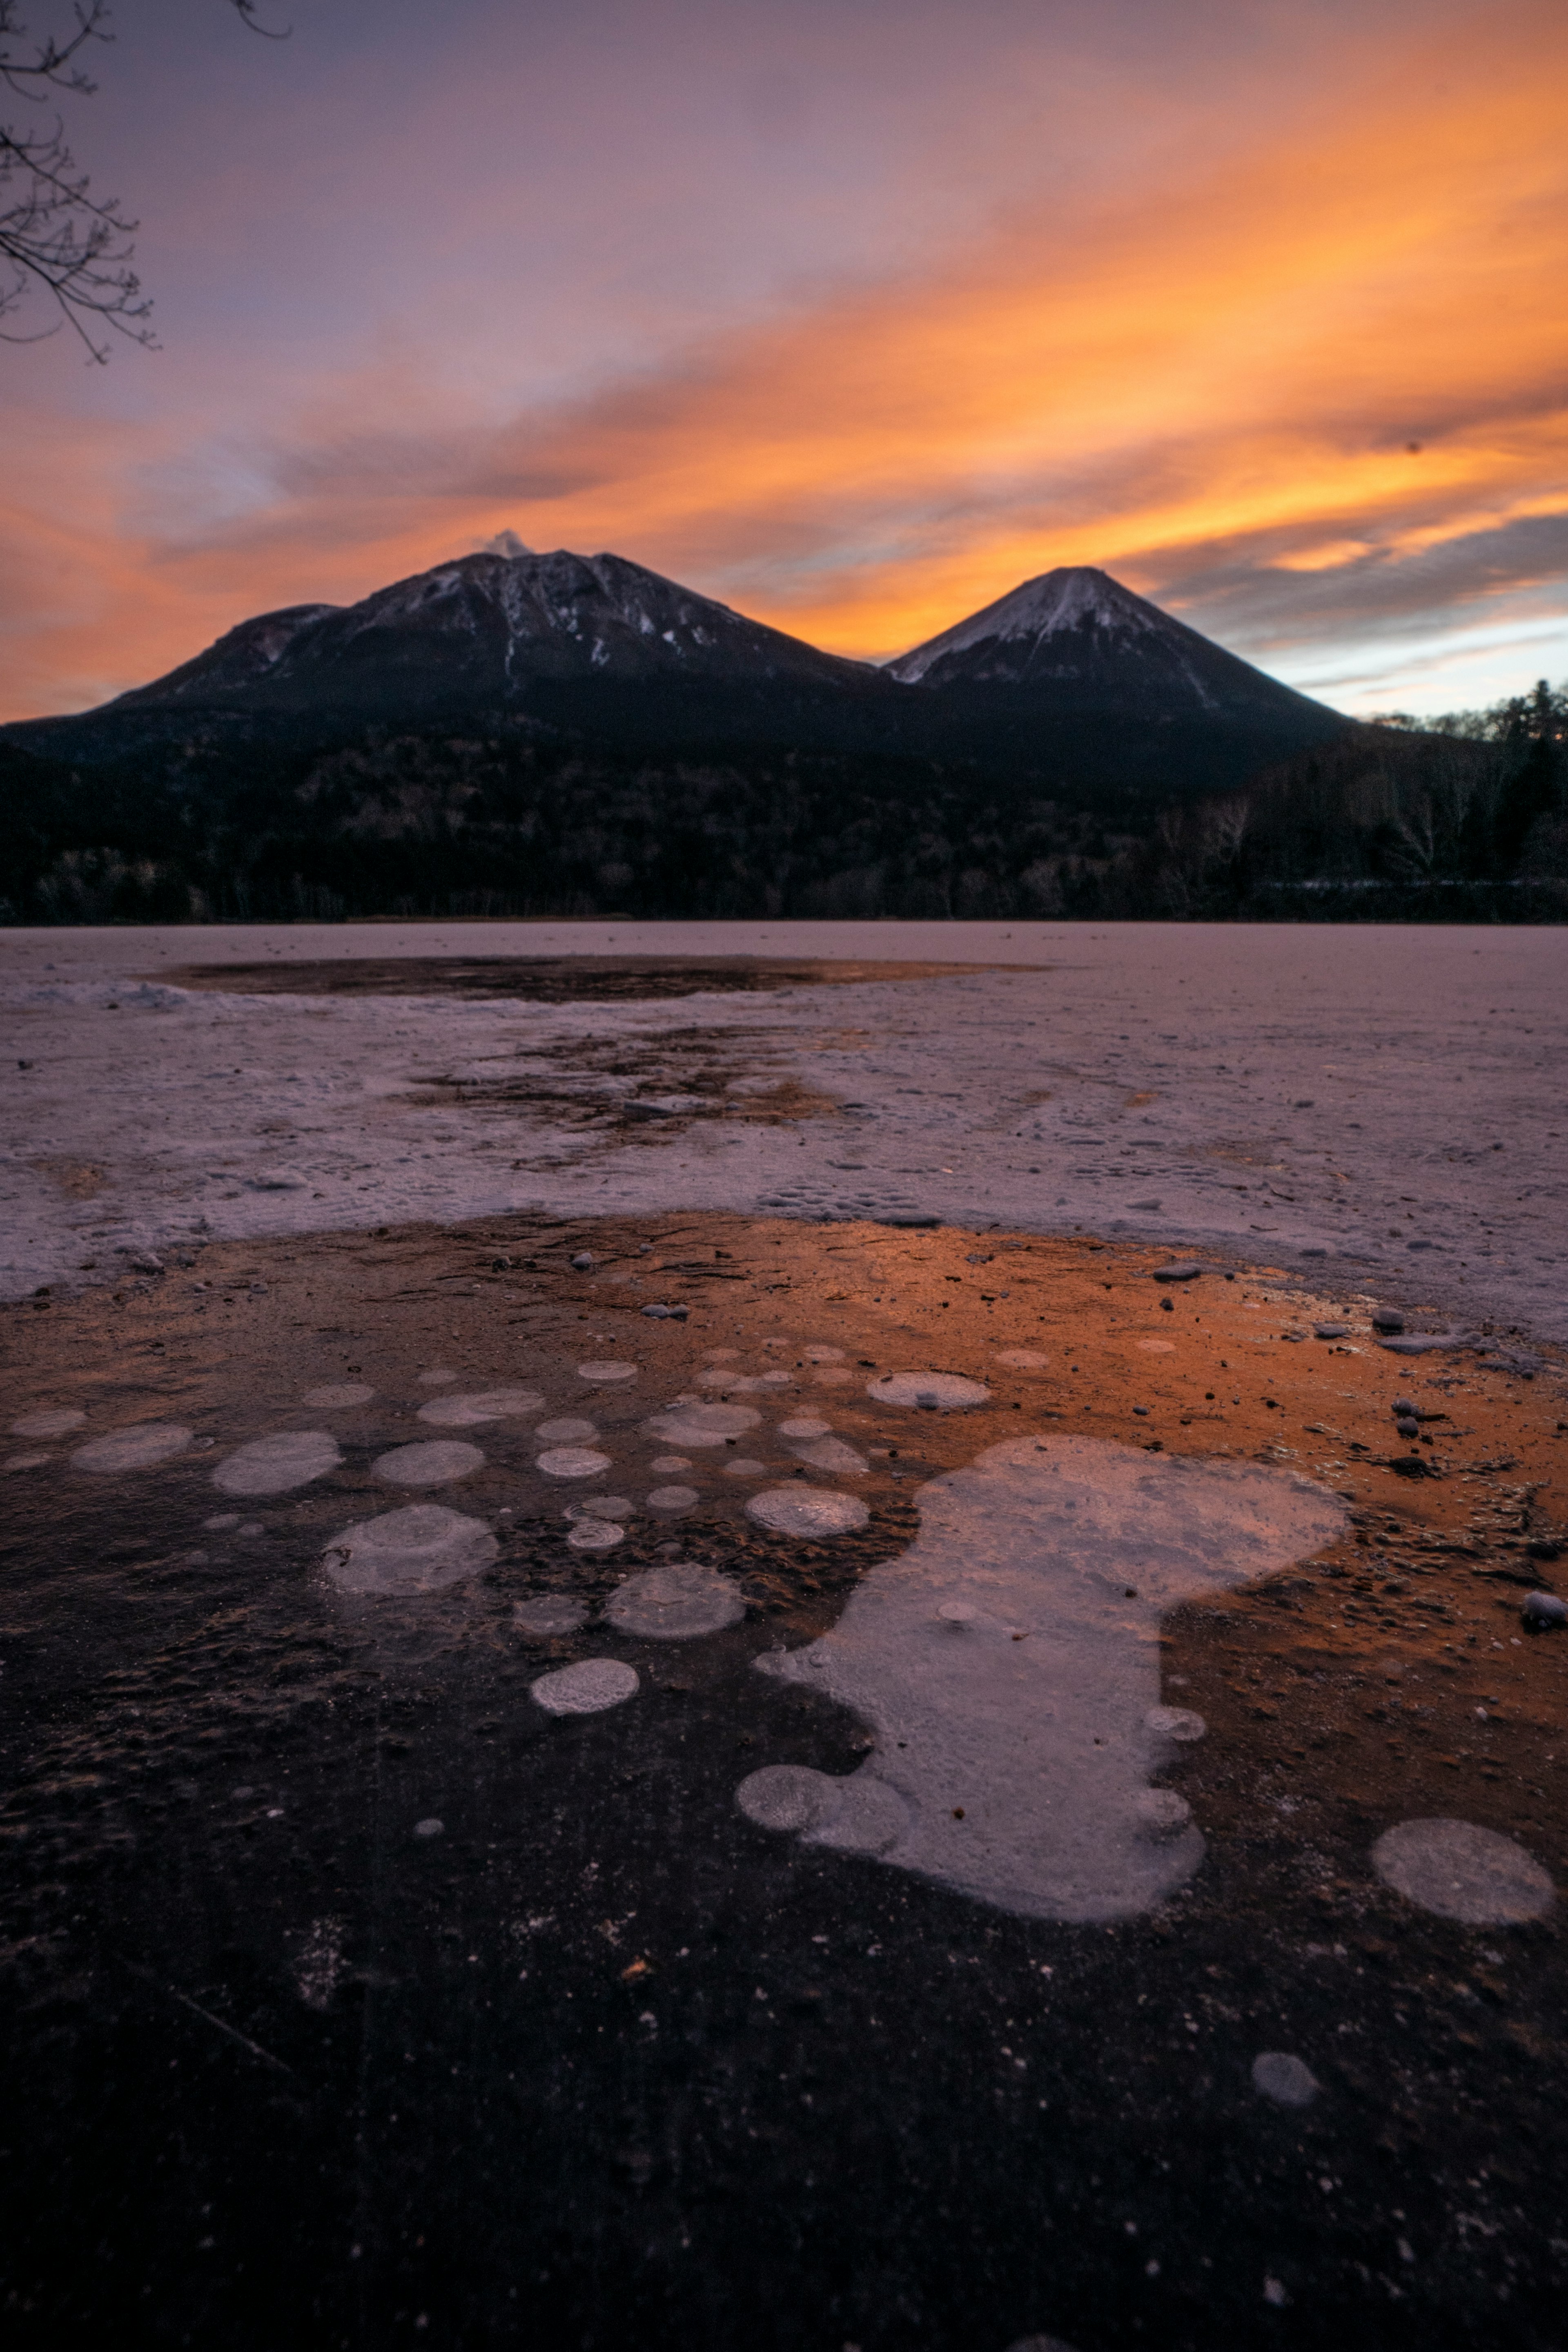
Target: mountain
488 626
573 639
1075 641
513 733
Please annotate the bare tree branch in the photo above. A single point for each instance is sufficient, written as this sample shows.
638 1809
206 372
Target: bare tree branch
56 238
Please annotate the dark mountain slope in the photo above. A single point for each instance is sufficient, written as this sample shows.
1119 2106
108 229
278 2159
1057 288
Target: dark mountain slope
574 641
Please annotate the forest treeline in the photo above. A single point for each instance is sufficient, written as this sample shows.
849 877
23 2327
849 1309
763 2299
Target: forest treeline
1463 819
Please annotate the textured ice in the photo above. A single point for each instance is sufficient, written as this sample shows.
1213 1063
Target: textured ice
675 1603
419 1549
141 1448
1022 1360
1008 1665
830 1453
1462 1871
278 1463
810 1512
672 1501
572 1461
490 1404
587 1688
602 1373
704 1424
47 1421
1226 1028
1289 2082
595 1535
943 1392
433 1464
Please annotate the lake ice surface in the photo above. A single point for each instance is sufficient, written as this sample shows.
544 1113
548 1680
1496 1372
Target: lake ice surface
1371 1106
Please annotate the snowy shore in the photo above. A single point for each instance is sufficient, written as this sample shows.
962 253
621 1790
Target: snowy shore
1376 1108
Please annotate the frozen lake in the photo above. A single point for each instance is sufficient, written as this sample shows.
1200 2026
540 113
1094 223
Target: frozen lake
1379 1105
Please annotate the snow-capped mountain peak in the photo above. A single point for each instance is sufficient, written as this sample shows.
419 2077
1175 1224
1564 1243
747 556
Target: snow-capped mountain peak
1073 596
1077 642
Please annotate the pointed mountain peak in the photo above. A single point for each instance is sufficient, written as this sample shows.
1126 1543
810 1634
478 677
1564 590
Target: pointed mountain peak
1073 596
1076 643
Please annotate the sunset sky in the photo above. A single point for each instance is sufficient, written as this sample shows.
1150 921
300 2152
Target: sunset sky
851 314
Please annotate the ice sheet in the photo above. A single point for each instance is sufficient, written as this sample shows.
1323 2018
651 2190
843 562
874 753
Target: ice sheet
1371 1106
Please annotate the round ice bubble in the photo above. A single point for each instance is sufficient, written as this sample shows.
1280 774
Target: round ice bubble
490 1404
704 1424
433 1464
421 1549
675 1603
48 1421
1462 1871
810 1512
141 1448
277 1464
587 1688
573 1462
937 1391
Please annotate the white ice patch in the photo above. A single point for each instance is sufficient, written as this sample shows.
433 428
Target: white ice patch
572 1461
595 1535
491 1405
585 1689
26 1460
339 1397
139 1448
1008 1663
672 1501
435 1463
805 1424
604 1374
666 1465
1023 1360
602 1506
939 1391
566 1433
830 1453
277 1464
1289 2082
439 1376
810 1512
743 1466
421 1549
704 1424
1463 1872
51 1421
677 1602
822 1354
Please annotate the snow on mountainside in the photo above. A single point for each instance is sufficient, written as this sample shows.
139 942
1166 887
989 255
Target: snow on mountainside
489 622
237 660
1082 642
